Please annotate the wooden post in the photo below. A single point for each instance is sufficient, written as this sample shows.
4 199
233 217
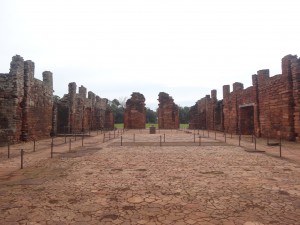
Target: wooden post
22 156
215 135
8 150
69 145
254 142
34 145
159 140
104 138
280 146
82 139
239 140
199 140
225 136
52 148
121 140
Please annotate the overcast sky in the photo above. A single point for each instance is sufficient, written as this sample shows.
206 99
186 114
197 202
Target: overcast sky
183 47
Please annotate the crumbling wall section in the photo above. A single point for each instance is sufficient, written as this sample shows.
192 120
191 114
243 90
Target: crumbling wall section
207 113
268 108
25 103
168 112
77 112
135 112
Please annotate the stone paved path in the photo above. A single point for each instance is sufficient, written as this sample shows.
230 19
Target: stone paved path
109 184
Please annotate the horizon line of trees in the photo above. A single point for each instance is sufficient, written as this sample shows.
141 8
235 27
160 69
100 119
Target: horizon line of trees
118 108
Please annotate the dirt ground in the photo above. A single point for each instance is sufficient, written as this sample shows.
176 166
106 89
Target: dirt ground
171 177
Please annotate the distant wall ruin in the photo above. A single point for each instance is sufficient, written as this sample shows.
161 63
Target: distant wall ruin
167 112
78 113
269 108
135 112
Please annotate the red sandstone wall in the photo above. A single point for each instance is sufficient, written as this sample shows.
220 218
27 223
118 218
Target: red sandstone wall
77 113
271 107
135 112
26 103
167 112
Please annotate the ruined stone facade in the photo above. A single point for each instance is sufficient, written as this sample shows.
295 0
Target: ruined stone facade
167 112
135 112
77 112
26 103
28 109
268 108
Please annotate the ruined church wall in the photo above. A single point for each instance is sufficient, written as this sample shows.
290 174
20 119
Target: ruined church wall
24 103
206 113
268 108
167 112
135 112
78 113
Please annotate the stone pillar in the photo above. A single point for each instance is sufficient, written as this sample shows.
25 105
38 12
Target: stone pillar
226 91
28 83
237 86
16 77
72 104
296 96
82 91
287 125
256 105
48 79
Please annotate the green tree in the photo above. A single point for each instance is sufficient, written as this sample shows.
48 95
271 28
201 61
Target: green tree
118 111
151 116
184 114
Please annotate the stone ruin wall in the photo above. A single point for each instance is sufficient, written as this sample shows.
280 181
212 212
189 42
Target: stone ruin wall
28 109
25 103
78 113
269 108
167 112
135 112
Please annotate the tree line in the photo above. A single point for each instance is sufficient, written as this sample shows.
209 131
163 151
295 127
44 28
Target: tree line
118 108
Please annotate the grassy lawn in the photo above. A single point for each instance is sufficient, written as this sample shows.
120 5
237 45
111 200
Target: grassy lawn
121 125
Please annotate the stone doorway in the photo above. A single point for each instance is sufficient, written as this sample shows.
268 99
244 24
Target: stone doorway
247 119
